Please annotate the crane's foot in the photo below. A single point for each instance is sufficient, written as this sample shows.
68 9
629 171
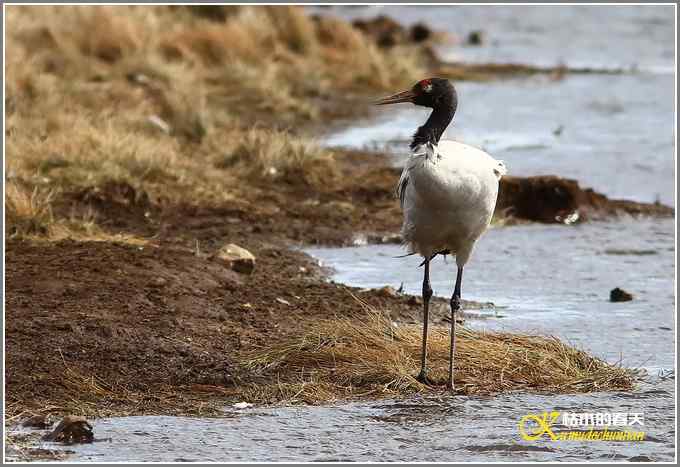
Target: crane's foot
422 378
449 387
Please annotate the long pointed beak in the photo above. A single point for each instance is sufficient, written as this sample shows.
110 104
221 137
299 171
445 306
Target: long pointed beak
405 96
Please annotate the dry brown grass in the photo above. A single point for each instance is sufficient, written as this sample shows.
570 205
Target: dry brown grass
350 359
91 396
371 356
28 214
275 155
165 100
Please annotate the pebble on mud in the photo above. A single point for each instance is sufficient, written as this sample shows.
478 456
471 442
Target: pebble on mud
72 429
239 259
160 281
242 405
620 295
341 207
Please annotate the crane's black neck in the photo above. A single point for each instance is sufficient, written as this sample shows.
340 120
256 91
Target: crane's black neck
433 129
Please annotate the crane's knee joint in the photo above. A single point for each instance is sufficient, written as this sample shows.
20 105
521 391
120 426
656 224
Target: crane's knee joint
427 292
455 303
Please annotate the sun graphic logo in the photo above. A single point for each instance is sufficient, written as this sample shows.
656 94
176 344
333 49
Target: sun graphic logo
533 427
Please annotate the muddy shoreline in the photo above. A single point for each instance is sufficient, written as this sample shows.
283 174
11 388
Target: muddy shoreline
159 327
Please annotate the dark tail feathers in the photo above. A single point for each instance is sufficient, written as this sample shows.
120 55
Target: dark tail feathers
443 253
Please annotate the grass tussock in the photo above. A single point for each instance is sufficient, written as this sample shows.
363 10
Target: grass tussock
28 214
369 356
177 105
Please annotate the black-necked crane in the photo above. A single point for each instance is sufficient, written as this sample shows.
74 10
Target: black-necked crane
448 194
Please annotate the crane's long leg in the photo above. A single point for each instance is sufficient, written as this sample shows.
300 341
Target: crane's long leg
455 306
427 294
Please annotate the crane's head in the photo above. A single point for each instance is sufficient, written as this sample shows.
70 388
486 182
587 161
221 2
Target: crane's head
430 92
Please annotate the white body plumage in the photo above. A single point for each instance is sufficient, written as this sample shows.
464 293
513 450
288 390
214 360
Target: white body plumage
448 195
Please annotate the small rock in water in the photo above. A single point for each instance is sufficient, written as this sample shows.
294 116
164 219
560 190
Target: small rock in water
242 405
239 259
620 295
475 38
72 429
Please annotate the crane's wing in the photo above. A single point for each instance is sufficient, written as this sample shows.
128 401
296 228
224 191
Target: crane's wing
419 152
401 187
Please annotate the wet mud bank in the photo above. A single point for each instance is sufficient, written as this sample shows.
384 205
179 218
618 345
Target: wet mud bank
553 199
98 329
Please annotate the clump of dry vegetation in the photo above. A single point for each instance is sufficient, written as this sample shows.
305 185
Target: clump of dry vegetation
274 154
29 214
175 102
372 356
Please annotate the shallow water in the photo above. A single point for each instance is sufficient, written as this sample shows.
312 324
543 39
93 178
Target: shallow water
430 429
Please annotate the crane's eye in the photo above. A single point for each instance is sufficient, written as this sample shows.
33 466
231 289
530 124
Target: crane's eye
426 85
